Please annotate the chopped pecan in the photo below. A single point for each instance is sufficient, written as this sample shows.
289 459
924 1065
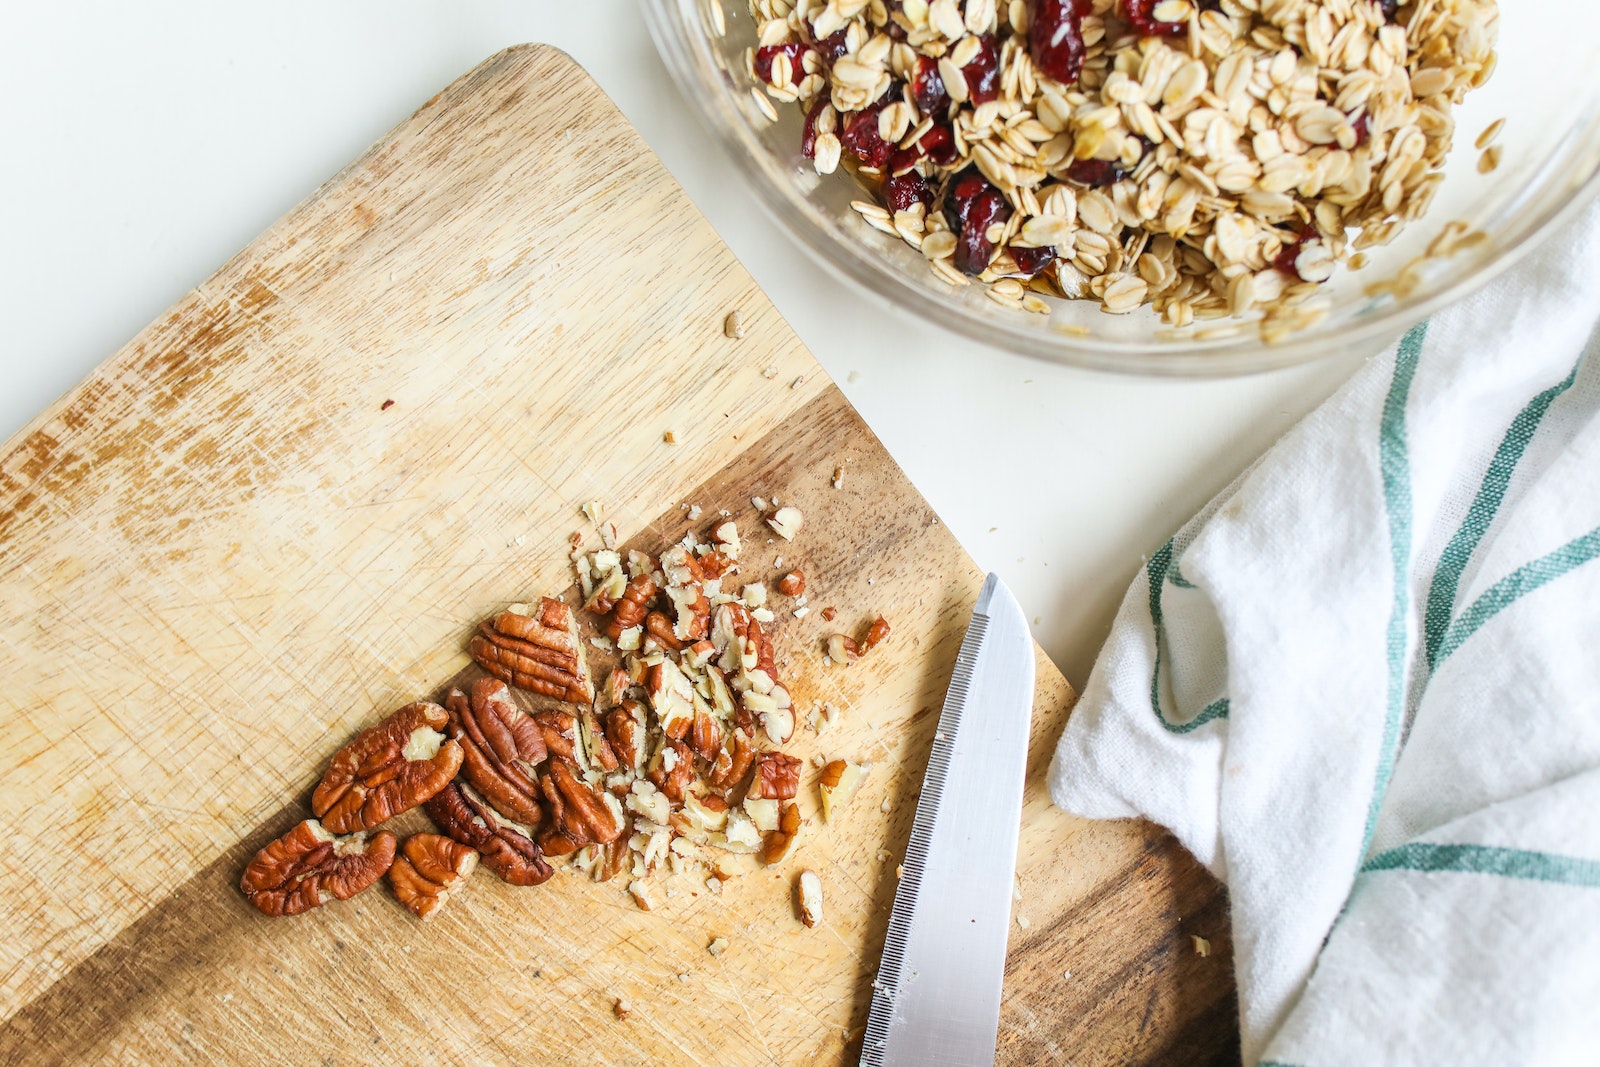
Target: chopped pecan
625 732
733 763
501 748
635 603
777 777
758 645
671 697
685 592
808 898
430 869
599 753
542 654
584 816
705 736
844 649
307 866
778 845
390 768
792 584
616 688
659 627
672 769
841 780
608 584
560 731
507 850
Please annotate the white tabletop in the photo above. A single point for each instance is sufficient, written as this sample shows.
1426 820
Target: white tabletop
146 143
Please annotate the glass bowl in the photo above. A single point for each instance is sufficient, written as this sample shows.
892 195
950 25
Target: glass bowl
1550 165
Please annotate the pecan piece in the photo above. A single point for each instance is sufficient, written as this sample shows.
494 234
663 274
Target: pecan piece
542 654
671 697
625 733
630 611
578 812
778 845
733 763
388 769
595 748
846 650
705 736
560 732
507 850
307 866
841 780
672 769
777 777
501 746
430 869
691 608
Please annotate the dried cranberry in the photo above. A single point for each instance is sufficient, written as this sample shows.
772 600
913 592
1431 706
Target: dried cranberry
808 131
1284 261
903 190
972 205
928 90
1055 37
982 73
860 138
832 46
1031 261
1096 173
1142 14
1359 124
940 145
767 53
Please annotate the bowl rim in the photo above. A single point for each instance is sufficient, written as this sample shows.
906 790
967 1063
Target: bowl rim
1230 356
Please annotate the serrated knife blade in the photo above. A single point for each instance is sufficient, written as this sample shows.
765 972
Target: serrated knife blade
936 1000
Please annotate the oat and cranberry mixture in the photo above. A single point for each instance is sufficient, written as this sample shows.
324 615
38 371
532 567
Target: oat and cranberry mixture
1205 157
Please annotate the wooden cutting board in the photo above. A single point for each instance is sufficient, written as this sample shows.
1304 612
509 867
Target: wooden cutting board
274 516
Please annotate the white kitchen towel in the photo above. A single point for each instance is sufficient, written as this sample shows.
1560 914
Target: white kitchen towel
1363 687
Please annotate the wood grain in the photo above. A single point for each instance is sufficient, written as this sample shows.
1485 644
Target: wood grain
225 551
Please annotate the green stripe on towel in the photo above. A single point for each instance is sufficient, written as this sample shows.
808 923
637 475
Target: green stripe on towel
1394 461
1520 582
1442 594
1156 572
1482 859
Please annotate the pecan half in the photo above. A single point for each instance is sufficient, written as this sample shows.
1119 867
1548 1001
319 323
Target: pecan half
777 777
672 769
430 869
542 654
630 611
501 747
507 850
625 732
390 768
308 866
733 763
584 816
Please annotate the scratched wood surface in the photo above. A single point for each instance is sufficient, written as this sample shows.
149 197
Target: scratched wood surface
227 550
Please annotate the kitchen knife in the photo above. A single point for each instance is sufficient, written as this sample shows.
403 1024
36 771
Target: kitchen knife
937 997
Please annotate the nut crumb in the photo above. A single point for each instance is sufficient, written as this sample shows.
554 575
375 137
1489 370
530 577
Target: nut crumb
386 405
785 522
770 373
621 1009
694 512
838 477
792 584
670 438
592 510
683 976
808 898
886 807
733 325
1024 922
830 613
1202 947
718 946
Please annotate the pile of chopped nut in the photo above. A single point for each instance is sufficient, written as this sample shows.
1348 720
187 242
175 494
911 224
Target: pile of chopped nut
1205 157
672 760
